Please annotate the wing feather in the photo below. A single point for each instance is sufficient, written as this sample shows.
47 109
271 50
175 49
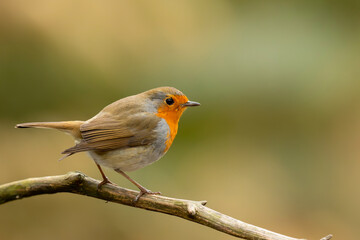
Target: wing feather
106 132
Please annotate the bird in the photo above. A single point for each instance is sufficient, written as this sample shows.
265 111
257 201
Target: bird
128 134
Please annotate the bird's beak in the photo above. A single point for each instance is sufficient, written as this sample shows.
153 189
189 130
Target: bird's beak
191 104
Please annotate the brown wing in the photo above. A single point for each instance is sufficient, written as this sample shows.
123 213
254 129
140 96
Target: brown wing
105 132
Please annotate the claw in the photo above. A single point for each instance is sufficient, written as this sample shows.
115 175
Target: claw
105 181
144 192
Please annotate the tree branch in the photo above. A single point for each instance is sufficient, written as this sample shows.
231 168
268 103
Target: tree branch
76 182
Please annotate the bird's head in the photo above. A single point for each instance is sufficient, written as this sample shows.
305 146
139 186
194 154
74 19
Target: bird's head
169 103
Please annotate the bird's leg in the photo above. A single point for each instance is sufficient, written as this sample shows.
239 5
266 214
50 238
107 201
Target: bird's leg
105 179
143 190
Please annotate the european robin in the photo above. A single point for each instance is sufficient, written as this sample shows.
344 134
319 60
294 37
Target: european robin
128 134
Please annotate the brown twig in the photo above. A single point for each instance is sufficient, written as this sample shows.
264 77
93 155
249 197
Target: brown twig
76 182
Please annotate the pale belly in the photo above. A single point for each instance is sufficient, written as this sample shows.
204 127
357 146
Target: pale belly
133 158
128 159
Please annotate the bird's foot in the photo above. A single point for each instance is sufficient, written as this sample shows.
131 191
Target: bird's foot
144 191
105 181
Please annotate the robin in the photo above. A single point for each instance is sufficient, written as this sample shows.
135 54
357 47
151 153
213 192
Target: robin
128 134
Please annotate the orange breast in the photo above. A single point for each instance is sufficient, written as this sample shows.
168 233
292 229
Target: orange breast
172 119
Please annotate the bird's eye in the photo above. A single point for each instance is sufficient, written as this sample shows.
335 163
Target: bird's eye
169 101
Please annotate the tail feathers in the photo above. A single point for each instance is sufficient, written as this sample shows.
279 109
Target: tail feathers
65 156
71 127
38 125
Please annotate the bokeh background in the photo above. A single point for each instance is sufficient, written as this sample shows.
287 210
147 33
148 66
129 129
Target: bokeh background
275 142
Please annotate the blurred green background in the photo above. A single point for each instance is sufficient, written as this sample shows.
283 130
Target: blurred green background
275 142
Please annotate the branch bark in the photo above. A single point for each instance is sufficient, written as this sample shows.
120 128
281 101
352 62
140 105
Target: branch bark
78 183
